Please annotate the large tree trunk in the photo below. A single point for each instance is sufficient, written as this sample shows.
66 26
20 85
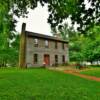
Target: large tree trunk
22 51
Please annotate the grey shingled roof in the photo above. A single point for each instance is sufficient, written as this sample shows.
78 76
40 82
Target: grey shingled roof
38 35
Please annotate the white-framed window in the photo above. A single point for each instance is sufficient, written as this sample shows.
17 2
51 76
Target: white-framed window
46 43
36 42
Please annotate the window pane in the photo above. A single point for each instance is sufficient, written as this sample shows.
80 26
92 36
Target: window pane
46 43
63 59
56 58
35 42
35 58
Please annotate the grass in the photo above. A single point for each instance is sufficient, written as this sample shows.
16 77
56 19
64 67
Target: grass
42 84
93 72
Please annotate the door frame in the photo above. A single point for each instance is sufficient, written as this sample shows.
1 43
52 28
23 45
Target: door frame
46 56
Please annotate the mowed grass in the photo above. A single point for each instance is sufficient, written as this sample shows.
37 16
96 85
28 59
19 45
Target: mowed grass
42 84
92 72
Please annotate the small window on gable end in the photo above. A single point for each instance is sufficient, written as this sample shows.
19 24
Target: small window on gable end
46 43
36 42
35 58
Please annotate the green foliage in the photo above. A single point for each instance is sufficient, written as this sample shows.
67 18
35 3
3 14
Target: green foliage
92 47
86 48
66 32
35 84
9 55
87 18
8 51
75 48
59 10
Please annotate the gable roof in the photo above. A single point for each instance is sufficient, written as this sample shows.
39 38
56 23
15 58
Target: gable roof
38 35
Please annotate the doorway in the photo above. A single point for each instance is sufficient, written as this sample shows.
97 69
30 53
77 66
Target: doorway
47 59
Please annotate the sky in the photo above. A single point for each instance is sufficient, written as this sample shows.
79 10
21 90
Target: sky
37 20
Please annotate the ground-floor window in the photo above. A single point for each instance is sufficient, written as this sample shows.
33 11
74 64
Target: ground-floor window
56 58
35 58
63 59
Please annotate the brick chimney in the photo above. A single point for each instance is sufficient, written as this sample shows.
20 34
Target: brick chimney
22 47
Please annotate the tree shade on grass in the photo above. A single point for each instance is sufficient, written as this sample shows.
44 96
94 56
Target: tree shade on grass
42 84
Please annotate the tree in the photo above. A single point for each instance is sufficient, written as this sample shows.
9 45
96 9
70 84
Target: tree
7 34
66 32
91 50
75 48
87 17
86 47
59 10
9 55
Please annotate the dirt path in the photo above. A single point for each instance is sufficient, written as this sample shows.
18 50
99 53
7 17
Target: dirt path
82 75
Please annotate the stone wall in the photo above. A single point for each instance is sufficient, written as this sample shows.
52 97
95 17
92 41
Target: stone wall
41 50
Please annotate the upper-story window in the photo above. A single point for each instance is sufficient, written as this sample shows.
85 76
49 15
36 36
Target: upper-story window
56 45
36 42
46 43
63 46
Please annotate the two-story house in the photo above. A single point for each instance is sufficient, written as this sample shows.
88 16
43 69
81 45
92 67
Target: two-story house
44 50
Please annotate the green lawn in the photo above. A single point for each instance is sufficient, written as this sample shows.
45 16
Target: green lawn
42 84
93 72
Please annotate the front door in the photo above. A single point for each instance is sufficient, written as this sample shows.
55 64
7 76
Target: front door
47 59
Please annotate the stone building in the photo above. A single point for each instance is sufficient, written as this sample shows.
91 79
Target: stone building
44 50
